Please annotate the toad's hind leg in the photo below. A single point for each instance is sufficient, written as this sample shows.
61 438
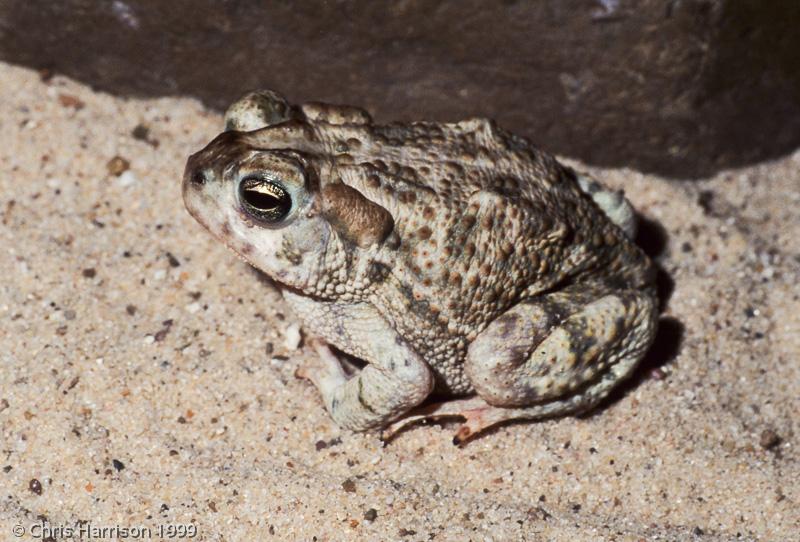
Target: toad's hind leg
559 354
551 356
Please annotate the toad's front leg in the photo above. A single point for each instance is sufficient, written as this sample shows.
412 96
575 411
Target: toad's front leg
395 379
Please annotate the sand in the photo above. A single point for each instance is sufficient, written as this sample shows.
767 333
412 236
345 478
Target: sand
146 374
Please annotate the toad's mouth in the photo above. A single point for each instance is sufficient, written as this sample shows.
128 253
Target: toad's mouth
214 221
245 252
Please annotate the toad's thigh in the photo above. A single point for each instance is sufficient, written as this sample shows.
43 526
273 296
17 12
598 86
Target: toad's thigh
561 344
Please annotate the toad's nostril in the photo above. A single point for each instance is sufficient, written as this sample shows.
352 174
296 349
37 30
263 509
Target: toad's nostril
198 178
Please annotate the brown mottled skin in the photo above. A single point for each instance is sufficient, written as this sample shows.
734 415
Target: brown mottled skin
454 257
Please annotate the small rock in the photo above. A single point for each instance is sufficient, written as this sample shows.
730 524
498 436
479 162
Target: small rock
769 439
117 166
293 337
163 332
68 100
127 178
371 514
140 132
89 272
35 486
705 199
349 486
173 261
119 465
73 383
69 314
658 374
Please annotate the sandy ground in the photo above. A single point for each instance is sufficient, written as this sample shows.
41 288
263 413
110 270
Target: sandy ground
146 374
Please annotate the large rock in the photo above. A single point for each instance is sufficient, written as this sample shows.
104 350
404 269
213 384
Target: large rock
680 87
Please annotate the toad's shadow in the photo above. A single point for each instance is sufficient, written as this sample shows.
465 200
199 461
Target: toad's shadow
652 238
664 349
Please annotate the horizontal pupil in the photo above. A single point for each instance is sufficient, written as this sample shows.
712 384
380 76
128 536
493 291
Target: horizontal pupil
264 199
261 200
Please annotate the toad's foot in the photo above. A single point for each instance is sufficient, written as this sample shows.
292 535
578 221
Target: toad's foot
394 379
478 416
325 369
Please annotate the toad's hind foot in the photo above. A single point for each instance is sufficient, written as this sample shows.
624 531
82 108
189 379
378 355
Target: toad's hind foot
456 408
479 419
479 416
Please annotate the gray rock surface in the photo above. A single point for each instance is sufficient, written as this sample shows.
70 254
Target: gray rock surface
682 88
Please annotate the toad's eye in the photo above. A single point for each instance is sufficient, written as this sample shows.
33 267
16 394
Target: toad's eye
264 199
